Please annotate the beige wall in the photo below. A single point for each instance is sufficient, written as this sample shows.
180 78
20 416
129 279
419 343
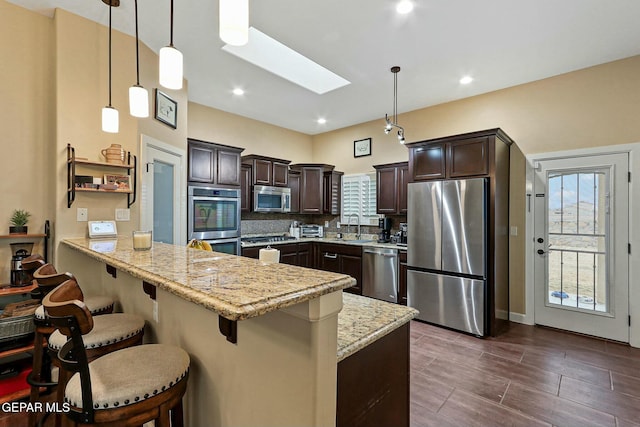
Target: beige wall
209 124
26 118
593 107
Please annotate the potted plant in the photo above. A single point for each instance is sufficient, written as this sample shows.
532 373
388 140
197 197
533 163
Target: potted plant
18 221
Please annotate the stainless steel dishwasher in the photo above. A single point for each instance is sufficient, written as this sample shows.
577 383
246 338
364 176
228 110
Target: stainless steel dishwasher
380 273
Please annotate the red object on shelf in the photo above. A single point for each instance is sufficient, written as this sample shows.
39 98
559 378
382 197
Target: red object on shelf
13 384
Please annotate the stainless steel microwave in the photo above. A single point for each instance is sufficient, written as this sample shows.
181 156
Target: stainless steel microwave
271 199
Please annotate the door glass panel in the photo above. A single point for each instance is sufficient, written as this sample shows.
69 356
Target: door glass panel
163 198
578 239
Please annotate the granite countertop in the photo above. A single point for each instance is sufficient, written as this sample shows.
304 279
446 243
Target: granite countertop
348 241
364 320
235 287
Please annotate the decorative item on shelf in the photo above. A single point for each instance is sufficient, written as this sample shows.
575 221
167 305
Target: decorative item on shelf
171 63
114 154
362 147
142 240
19 219
234 22
166 109
138 95
121 182
389 124
199 244
110 119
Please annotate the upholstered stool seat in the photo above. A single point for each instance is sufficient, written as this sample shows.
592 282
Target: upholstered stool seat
130 376
97 305
107 330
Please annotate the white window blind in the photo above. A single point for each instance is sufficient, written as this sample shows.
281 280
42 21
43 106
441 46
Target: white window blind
359 197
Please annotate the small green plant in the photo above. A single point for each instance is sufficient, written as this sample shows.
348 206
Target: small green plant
19 218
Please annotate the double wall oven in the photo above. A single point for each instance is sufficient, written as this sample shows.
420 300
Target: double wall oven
214 216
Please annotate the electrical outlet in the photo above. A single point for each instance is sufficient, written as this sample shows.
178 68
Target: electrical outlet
123 214
155 311
82 215
326 224
338 225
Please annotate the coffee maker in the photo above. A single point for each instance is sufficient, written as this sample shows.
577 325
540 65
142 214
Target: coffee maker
403 234
19 277
385 234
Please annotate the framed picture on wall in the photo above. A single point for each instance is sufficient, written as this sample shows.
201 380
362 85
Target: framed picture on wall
362 147
166 109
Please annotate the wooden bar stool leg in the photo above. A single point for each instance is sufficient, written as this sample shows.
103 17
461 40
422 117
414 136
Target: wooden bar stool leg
177 419
36 373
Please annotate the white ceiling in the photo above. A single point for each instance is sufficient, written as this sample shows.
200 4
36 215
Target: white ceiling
501 43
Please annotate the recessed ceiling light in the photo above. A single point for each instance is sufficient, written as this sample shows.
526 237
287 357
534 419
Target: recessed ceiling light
466 80
404 7
238 91
322 121
273 56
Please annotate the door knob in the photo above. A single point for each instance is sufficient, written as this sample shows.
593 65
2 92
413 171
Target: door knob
540 240
540 252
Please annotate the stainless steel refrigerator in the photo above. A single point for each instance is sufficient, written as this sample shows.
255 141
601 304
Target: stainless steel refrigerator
447 253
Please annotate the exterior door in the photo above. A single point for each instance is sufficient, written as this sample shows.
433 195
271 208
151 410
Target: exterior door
163 203
581 235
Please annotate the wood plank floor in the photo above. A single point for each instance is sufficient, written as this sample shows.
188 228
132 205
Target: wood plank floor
529 376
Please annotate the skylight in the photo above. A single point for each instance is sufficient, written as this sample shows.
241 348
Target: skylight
273 56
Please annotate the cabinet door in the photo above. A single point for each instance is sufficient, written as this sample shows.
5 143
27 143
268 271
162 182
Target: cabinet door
253 252
262 172
228 167
294 185
352 265
288 253
331 189
403 186
468 157
245 188
280 174
428 162
328 261
304 255
387 185
311 181
201 163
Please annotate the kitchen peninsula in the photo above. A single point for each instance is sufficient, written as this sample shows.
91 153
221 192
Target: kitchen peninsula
282 368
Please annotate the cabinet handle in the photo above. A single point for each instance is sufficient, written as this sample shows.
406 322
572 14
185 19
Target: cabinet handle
332 256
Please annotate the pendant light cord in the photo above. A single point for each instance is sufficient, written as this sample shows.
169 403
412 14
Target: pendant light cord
137 46
171 37
110 7
395 97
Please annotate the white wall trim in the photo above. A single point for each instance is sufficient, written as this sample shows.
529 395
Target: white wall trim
521 318
634 229
148 141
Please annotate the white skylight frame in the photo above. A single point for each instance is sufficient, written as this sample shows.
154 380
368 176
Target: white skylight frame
273 56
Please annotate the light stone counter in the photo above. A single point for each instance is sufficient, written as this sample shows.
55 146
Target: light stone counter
364 320
236 288
348 241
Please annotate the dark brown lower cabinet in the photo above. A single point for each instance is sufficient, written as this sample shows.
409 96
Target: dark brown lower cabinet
291 253
345 259
402 281
373 384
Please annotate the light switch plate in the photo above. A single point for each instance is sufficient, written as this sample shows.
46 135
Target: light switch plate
326 224
514 231
82 215
123 214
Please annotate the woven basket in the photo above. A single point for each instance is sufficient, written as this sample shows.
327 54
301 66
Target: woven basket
16 327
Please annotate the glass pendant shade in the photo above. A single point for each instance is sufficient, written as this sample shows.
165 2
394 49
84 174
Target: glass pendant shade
110 121
171 68
138 101
234 22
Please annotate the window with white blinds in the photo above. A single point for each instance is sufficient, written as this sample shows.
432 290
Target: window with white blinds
359 197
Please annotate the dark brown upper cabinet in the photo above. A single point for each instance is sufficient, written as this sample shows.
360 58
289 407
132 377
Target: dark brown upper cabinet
458 156
319 188
245 188
215 164
294 185
391 188
268 170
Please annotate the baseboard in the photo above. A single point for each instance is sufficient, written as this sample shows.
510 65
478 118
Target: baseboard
521 318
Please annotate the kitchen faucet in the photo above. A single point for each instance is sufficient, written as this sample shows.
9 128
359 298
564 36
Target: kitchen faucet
349 224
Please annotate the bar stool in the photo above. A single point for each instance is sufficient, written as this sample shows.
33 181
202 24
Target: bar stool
111 332
126 387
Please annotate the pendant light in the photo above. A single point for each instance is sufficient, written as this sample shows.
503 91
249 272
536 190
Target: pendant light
110 120
389 123
171 63
138 95
234 22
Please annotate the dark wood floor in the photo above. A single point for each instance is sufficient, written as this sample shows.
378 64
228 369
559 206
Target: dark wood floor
530 376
